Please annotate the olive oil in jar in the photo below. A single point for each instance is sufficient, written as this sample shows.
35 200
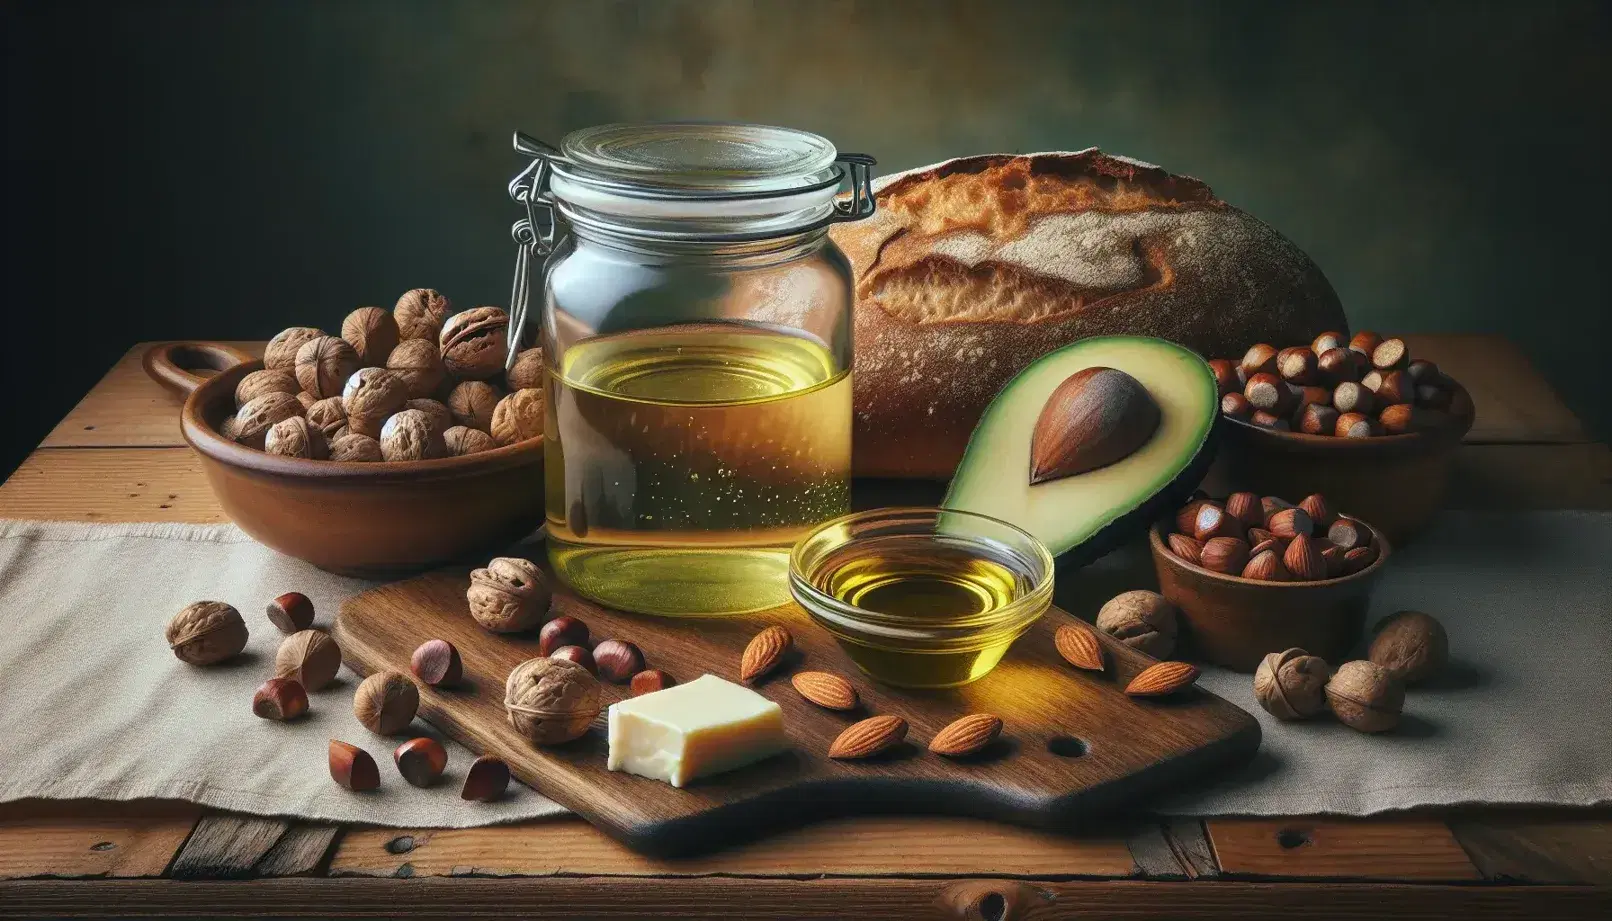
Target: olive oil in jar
684 462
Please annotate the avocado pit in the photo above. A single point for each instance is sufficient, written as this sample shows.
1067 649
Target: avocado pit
1098 416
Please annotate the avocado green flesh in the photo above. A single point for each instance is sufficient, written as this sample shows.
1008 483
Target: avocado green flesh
994 476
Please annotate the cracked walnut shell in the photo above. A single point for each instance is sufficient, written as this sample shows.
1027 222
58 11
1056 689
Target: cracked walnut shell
420 314
310 657
551 701
472 404
372 333
371 395
1291 685
518 417
253 421
281 352
1141 620
474 342
419 363
324 365
461 440
206 633
328 416
509 595
409 436
296 437
264 381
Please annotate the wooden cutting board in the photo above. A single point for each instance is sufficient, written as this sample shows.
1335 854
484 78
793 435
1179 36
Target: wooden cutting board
1073 745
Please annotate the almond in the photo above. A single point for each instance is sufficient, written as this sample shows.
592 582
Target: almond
1334 557
1079 647
825 689
1187 516
1185 547
1214 521
1259 535
1358 558
1244 506
1303 559
1266 566
764 653
967 735
868 737
1290 522
1315 505
1162 678
1225 554
1270 505
1268 543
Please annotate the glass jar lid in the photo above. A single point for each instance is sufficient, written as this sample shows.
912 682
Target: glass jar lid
697 158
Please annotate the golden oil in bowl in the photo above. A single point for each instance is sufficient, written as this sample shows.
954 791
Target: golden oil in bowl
922 597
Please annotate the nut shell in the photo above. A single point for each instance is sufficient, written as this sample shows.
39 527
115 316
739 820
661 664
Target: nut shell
437 413
618 660
1291 685
328 416
550 701
461 440
410 436
472 404
324 365
265 381
1364 696
281 353
508 595
1142 620
386 702
474 343
353 447
311 657
372 333
370 396
295 437
518 417
419 364
1410 645
527 372
420 313
206 633
253 421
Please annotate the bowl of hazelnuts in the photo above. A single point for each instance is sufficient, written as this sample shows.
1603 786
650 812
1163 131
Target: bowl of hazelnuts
1358 419
400 444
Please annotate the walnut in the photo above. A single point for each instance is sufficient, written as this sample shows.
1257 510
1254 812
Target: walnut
328 416
527 372
307 400
551 701
371 395
1291 685
355 448
510 595
1141 620
230 428
408 436
518 417
419 363
474 342
309 656
386 702
324 364
281 353
1410 645
258 383
372 333
420 314
206 633
472 404
254 420
1364 696
462 440
441 419
296 437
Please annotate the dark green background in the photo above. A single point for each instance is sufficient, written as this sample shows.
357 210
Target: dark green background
226 169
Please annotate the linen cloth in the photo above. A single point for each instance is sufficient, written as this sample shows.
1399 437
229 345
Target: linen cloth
93 704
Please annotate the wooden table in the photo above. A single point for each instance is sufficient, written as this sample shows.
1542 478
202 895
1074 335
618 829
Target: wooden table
118 456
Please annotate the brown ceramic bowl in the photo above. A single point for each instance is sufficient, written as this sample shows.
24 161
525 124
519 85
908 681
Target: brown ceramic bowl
1234 622
359 519
1396 482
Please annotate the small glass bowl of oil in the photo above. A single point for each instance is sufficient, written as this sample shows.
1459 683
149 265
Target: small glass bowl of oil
922 597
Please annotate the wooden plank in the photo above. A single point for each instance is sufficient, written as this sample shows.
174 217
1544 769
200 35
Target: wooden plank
126 409
237 846
869 846
82 838
1559 847
1386 848
1514 401
1532 477
110 484
1174 848
776 899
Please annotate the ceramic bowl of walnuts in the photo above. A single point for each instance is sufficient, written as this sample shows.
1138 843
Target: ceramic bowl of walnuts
397 444
1358 418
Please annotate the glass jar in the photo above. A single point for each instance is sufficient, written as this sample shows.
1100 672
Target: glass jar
696 328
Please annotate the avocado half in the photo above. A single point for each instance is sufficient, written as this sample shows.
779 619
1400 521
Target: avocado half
1083 516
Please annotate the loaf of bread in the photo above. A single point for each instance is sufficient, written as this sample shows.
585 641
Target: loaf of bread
975 267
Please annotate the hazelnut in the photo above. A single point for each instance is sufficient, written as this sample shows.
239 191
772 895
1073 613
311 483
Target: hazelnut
1357 559
408 436
1244 506
1266 566
1289 523
461 440
324 365
441 419
1186 548
372 333
474 342
1291 685
486 780
1326 342
421 761
1402 418
420 313
1338 365
254 420
1269 393
1259 359
258 383
1224 554
419 364
579 655
386 702
527 372
1390 355
291 612
352 767
1423 371
1214 521
1236 406
1303 559
1316 419
1364 696
1365 342
564 630
550 701
328 415
1315 505
1187 517
1227 377
1271 421
370 396
206 633
1352 397
651 680
1410 645
437 662
355 448
1355 425
1142 620
1297 365
295 437
472 404
281 353
509 595
309 656
618 660
279 699
518 417
1395 387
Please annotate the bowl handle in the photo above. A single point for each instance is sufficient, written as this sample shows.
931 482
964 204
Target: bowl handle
171 364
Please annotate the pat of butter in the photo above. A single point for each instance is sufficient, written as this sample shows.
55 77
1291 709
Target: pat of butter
694 730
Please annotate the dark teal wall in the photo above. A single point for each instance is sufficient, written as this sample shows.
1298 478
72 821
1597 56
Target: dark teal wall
225 169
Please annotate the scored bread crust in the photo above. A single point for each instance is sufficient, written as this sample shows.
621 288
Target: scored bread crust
972 268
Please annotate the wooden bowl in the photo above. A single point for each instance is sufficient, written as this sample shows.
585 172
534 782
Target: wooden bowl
1234 622
1396 482
357 519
